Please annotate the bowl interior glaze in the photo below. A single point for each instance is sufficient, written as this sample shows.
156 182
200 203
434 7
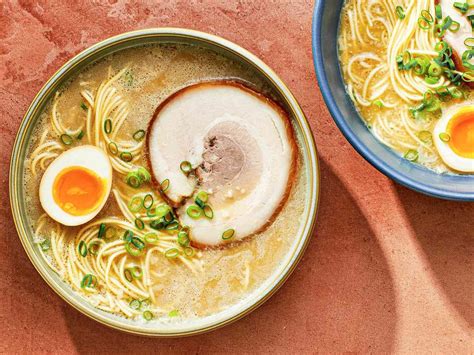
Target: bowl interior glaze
414 176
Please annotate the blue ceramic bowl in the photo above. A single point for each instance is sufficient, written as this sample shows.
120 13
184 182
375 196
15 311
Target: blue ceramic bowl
416 177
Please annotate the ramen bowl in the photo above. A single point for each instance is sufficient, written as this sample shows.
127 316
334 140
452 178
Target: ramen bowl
142 38
325 54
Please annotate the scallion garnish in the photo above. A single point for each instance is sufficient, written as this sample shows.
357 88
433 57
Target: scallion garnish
126 157
113 148
400 12
173 313
438 12
171 226
139 223
228 234
172 253
144 174
127 235
89 280
150 238
66 139
108 126
461 6
135 304
378 103
426 15
148 201
133 179
193 211
183 239
411 155
94 247
445 137
188 251
80 135
82 248
139 135
45 245
186 167
101 232
208 212
148 315
466 57
469 42
83 106
165 184
110 232
132 250
135 204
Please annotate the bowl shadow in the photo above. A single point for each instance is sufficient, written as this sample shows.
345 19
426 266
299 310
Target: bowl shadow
445 232
340 298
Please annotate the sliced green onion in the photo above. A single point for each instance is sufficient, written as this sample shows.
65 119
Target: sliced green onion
425 136
128 275
471 19
162 210
228 234
165 184
208 212
443 44
113 148
135 304
466 57
400 12
148 201
468 76
186 167
133 251
89 280
45 245
148 315
127 236
137 272
435 69
108 126
378 103
183 239
101 232
144 174
455 26
455 92
158 224
173 313
445 137
126 157
411 155
139 223
137 242
139 135
426 15
431 79
82 248
202 195
83 106
193 211
199 202
469 42
188 251
135 204
423 24
172 226
421 65
66 139
462 7
80 135
168 217
132 179
172 253
438 12
151 238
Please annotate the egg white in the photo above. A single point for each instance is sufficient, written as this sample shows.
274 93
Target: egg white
87 156
450 157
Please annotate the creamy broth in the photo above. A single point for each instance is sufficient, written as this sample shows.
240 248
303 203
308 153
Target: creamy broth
216 279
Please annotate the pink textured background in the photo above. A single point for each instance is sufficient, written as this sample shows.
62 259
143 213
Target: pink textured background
388 270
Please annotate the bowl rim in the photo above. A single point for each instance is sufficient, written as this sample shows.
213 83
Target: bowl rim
306 227
353 139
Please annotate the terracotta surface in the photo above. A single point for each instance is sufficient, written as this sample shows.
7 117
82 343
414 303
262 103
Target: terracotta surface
388 270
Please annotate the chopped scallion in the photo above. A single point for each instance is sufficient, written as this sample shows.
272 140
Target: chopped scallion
139 135
82 248
66 139
228 234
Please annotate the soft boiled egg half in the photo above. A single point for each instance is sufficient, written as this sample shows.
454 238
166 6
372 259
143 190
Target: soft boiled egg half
454 137
75 186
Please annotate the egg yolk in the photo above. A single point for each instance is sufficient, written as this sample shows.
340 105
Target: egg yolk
461 130
78 190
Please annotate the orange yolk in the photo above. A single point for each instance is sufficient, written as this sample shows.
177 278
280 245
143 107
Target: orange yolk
78 191
461 130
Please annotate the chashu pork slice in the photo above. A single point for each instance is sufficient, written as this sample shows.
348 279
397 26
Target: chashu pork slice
242 148
456 39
